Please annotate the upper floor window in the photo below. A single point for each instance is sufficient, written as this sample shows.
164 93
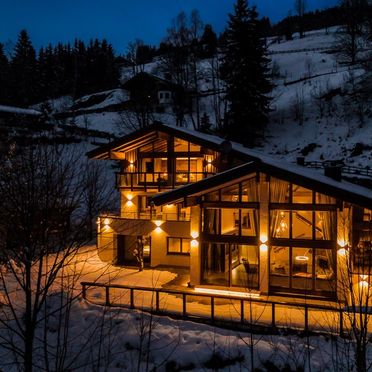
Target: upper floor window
287 193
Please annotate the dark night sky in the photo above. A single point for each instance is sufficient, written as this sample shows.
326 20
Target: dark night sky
120 21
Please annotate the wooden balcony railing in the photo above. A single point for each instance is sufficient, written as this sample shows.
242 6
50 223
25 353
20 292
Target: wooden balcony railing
224 310
157 180
163 216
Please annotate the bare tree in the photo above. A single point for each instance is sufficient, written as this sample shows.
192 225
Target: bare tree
42 224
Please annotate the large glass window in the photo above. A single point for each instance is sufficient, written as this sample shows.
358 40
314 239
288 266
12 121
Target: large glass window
230 265
301 195
279 191
279 266
305 224
245 266
302 269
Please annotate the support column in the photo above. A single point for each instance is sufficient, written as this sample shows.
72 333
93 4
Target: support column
195 250
264 234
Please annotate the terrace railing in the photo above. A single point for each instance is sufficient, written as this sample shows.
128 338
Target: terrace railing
157 180
163 216
219 309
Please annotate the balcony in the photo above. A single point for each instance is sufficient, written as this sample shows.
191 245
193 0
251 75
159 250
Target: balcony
163 216
157 180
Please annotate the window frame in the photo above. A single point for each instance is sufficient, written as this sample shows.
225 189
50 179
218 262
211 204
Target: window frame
181 239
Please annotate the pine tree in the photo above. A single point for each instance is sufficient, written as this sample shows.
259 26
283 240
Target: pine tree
4 76
24 71
245 71
209 42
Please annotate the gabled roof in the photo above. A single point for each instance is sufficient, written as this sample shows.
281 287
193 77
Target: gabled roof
299 175
255 162
144 77
150 133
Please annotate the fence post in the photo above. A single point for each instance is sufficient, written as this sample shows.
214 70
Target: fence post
107 296
242 311
84 291
212 309
184 304
157 300
273 315
131 298
306 319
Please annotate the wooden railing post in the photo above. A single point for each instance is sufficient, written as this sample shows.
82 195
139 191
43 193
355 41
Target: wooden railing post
184 304
212 309
107 295
341 323
242 311
84 291
157 301
306 319
131 298
273 322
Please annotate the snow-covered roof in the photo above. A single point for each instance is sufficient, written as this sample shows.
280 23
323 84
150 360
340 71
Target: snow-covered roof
19 110
263 163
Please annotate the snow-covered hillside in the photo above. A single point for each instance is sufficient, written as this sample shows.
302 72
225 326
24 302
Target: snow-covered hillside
312 110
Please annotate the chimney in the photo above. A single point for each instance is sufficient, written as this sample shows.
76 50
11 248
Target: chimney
301 160
334 172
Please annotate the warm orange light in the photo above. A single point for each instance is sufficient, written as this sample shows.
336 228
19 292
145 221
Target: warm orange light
170 205
129 203
158 223
158 230
263 239
226 293
263 248
194 243
195 235
342 252
129 197
106 221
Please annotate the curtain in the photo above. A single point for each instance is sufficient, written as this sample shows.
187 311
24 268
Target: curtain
278 194
252 189
328 225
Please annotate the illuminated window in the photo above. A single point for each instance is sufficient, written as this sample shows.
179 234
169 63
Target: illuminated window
178 245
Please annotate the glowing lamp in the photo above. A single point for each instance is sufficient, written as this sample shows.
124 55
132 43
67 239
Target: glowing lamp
263 248
227 293
158 223
158 230
195 235
106 221
342 252
129 197
263 239
194 243
302 258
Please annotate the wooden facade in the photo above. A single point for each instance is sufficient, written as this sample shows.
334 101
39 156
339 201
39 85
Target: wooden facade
235 219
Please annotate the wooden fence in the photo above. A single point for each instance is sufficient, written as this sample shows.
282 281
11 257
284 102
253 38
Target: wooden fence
223 310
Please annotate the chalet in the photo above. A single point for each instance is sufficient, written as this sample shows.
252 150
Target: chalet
154 92
237 219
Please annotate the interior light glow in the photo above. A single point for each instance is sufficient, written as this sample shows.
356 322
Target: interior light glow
158 223
341 243
106 221
195 235
129 203
302 258
129 197
194 243
226 293
158 230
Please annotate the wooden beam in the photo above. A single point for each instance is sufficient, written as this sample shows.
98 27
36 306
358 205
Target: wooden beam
116 155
